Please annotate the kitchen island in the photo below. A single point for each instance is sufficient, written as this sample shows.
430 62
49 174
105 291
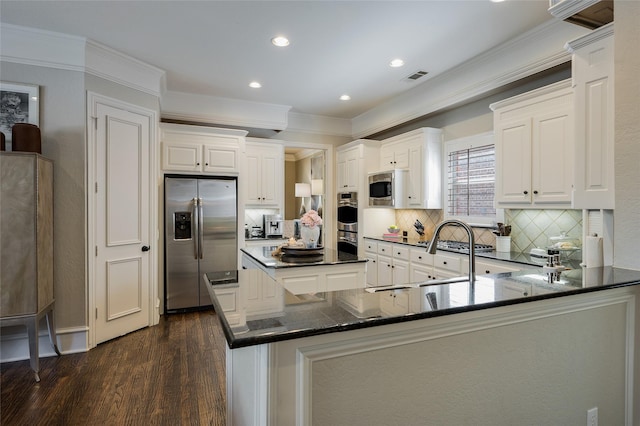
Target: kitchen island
460 354
325 270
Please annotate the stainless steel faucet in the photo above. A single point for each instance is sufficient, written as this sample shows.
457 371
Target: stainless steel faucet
472 252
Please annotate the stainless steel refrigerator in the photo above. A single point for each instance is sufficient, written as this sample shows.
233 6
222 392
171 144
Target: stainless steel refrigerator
200 236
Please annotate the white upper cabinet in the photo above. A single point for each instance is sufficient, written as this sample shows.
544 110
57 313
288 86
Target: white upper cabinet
348 169
420 152
265 174
593 75
353 162
535 148
202 150
394 156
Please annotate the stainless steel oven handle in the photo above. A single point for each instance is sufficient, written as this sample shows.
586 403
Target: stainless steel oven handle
348 240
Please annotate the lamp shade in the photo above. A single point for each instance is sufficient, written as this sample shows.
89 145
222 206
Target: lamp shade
317 187
303 190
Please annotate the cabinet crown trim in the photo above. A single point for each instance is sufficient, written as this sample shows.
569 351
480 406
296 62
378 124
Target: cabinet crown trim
594 36
551 88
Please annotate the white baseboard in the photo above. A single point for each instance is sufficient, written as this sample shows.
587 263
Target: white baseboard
14 346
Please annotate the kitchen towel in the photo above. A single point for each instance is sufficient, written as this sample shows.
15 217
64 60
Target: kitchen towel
593 256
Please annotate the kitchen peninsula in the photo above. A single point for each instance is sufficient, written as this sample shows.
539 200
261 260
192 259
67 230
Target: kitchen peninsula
329 270
462 352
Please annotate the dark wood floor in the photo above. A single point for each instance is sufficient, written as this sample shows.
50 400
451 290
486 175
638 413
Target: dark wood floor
169 374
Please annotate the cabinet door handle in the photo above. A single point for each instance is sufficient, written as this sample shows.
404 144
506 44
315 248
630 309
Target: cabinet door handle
535 192
197 164
420 257
526 192
206 164
444 263
146 248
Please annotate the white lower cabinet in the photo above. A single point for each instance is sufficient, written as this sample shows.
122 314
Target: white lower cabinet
264 296
395 302
485 267
446 265
372 269
229 299
392 264
513 290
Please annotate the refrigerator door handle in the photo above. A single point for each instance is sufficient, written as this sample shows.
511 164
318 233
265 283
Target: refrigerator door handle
194 214
200 226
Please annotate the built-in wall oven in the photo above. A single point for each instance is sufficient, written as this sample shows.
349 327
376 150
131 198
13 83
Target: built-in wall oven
347 223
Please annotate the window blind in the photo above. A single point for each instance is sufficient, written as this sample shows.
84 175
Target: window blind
471 181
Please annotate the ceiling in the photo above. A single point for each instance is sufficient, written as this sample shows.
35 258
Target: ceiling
337 47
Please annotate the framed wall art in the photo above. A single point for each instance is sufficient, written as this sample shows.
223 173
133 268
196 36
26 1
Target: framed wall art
19 103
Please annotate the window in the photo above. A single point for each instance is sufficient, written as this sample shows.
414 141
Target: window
470 175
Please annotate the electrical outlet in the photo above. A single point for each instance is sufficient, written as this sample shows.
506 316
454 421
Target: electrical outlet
592 417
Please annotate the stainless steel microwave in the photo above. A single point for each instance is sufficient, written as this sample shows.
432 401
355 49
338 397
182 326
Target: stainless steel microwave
388 189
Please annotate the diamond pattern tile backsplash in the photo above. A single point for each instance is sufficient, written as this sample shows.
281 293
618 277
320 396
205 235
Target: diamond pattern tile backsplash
529 228
532 228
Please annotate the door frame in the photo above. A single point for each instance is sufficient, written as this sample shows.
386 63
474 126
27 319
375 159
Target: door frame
90 181
329 202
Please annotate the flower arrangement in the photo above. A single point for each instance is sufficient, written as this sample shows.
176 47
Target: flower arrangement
311 219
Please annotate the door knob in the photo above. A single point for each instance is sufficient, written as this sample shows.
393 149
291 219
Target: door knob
146 248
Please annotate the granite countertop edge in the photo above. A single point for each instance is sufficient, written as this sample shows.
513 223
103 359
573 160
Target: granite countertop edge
235 342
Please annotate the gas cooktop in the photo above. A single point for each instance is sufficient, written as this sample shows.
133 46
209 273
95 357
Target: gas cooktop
458 245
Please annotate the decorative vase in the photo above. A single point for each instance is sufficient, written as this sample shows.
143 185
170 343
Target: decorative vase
310 236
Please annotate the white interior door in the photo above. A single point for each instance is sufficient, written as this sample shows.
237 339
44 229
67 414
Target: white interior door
122 212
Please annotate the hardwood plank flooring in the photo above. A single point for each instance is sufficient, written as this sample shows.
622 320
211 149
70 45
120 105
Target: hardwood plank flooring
169 374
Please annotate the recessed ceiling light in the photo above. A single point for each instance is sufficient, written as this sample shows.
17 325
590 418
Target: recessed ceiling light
396 63
255 85
280 41
345 98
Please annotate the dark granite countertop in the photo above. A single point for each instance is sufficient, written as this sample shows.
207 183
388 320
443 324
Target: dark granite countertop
298 316
263 256
513 256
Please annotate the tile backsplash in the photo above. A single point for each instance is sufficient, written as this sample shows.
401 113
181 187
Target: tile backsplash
529 228
254 217
532 228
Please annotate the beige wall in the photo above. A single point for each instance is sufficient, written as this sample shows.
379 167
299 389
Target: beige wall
627 152
627 134
517 374
62 126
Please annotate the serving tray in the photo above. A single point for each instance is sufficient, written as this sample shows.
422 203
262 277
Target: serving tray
302 251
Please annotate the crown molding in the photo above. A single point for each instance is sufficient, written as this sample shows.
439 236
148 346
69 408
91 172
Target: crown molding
223 111
107 63
595 35
535 51
532 94
30 46
563 9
